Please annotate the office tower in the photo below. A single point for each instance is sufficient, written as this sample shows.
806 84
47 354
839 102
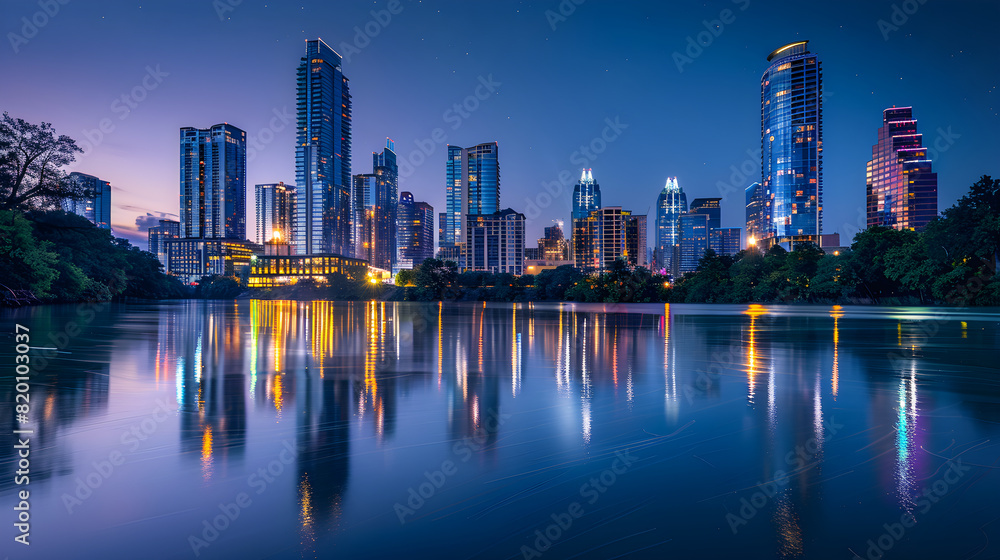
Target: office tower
586 195
791 193
694 241
495 242
755 214
532 253
671 203
158 236
725 241
553 246
414 232
473 187
712 208
322 154
95 204
374 202
902 188
213 182
635 238
275 212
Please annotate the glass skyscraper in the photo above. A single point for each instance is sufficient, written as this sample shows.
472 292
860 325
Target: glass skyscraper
694 241
791 192
711 207
414 232
755 214
213 182
322 154
96 202
671 203
586 195
375 200
902 188
473 187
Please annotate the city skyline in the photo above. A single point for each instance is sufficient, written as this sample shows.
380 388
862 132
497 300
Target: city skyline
853 96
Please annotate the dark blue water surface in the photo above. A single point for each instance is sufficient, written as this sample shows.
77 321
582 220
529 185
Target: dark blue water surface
258 429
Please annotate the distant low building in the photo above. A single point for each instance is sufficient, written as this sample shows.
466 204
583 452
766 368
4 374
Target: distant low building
268 271
96 202
192 258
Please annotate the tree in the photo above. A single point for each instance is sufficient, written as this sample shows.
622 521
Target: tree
25 262
30 160
406 278
434 278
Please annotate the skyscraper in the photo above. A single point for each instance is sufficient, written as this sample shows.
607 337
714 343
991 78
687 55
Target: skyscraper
671 203
586 195
725 241
608 234
694 242
712 208
96 202
374 210
213 182
414 232
755 214
635 238
275 212
902 188
322 153
791 127
473 187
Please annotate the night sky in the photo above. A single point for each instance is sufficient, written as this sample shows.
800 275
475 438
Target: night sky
557 89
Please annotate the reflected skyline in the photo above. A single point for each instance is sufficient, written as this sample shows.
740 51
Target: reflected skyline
373 395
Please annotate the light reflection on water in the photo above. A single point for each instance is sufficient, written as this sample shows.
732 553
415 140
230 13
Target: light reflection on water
376 397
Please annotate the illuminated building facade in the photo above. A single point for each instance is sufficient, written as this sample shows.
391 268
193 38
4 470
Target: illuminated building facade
96 202
901 186
213 182
586 195
190 259
268 271
495 242
472 178
694 241
725 241
791 187
755 214
275 212
414 232
671 203
322 154
608 234
375 200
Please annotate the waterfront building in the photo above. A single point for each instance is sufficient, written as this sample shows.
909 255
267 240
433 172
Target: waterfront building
670 204
414 232
901 185
494 242
275 212
157 237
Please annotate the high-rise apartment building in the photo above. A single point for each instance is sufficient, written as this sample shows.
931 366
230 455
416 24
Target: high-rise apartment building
791 127
725 241
902 187
755 214
414 232
495 242
158 236
608 234
213 182
323 154
694 242
275 212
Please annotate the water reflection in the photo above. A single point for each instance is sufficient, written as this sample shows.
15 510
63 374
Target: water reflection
372 395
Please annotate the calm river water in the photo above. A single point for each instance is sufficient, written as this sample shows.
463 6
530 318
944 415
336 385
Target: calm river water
258 429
